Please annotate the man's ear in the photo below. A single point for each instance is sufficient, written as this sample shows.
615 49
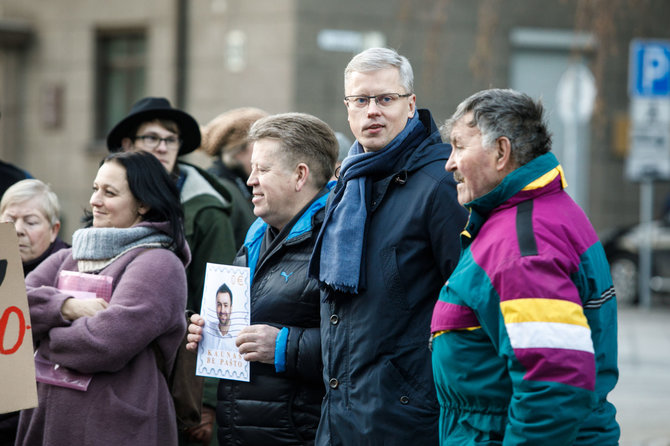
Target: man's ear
412 106
505 162
302 175
127 144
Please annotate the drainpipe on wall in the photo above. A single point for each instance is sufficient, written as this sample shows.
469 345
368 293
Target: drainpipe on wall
181 53
16 38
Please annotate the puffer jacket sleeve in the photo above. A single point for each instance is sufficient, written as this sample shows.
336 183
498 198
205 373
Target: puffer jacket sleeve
303 354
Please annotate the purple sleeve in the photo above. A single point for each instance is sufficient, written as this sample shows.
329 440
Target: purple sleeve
45 301
147 302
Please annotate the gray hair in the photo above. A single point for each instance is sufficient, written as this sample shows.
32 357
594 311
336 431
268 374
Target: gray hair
303 139
25 190
374 59
505 112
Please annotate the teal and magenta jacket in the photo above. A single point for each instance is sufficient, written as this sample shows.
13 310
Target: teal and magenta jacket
524 334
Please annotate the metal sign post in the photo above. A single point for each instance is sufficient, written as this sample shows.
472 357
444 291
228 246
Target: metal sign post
575 95
649 158
645 253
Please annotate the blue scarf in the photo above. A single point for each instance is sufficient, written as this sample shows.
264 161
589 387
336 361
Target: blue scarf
338 251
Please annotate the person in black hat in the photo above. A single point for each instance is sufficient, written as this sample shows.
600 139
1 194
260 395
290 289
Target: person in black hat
214 223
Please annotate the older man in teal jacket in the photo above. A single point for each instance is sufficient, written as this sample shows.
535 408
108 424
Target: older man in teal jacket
524 332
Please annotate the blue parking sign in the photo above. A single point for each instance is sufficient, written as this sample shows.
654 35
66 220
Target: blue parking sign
650 68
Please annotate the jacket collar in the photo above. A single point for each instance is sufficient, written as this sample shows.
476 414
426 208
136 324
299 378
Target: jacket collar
426 152
195 183
303 225
524 183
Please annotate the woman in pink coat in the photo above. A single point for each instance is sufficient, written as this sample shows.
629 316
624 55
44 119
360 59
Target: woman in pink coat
135 237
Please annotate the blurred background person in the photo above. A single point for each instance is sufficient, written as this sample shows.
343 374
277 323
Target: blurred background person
212 216
293 159
135 235
225 139
34 210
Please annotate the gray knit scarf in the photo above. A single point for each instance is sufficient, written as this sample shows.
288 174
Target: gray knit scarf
95 248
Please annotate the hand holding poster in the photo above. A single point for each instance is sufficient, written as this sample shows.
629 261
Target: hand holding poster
226 309
18 389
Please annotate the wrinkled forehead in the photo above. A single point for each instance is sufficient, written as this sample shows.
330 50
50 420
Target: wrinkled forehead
24 206
463 127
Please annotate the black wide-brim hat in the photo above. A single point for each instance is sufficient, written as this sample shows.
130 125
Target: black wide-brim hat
148 109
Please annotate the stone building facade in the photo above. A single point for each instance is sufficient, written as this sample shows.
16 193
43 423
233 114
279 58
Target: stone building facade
69 69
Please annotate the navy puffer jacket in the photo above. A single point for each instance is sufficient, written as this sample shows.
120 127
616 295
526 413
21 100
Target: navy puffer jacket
279 408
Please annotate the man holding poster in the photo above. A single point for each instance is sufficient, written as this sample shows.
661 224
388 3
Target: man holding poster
293 159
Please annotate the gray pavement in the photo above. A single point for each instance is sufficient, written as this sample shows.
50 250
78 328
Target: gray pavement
642 395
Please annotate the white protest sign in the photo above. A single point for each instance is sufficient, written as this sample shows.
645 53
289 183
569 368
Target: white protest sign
18 389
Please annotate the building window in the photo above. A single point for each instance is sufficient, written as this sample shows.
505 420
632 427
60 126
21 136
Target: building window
121 64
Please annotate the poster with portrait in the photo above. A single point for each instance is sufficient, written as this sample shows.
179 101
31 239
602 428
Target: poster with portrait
226 309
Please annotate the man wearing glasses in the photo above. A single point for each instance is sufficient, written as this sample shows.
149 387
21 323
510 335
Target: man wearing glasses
389 242
211 217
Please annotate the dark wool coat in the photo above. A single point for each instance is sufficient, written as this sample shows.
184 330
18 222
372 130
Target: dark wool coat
377 366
